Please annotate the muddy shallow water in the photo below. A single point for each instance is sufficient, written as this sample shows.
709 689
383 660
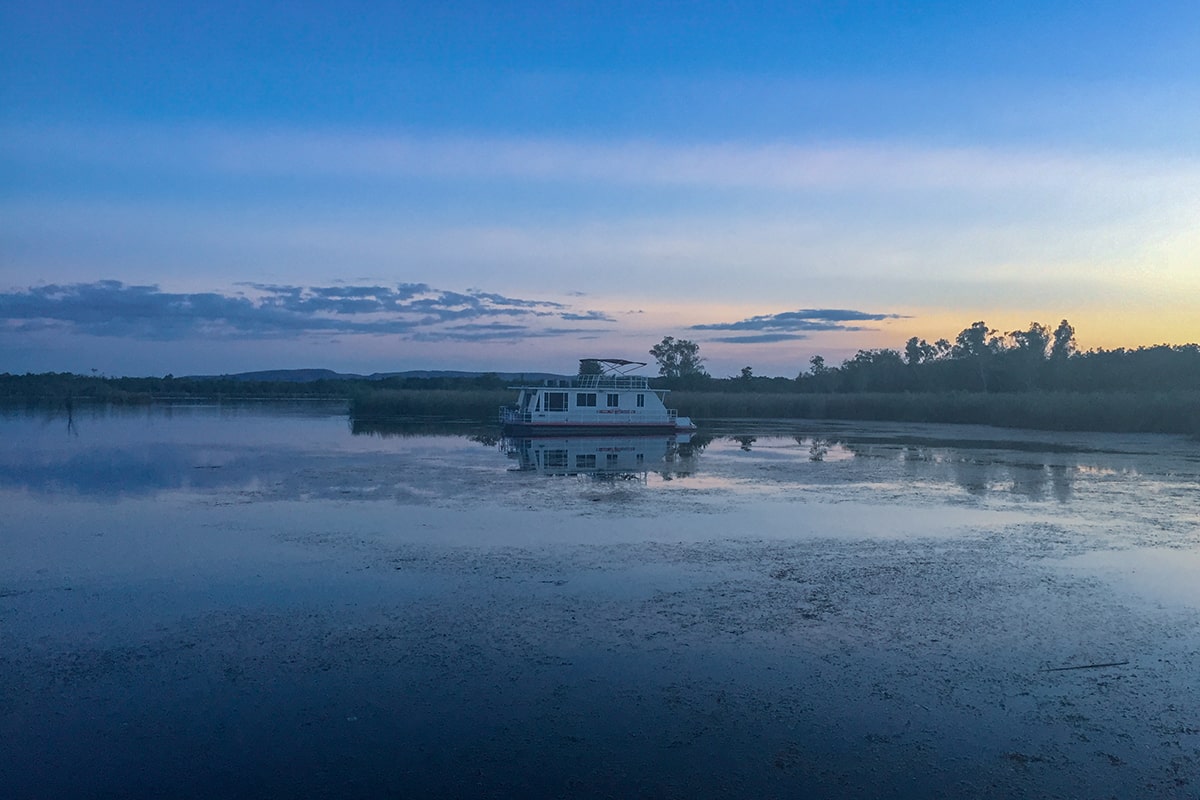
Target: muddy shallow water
255 600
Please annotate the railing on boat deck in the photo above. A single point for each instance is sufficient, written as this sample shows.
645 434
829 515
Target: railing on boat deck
611 382
512 414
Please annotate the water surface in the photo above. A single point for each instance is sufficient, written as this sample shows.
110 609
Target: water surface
257 599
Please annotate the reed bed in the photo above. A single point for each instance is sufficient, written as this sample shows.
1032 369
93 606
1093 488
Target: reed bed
1115 412
394 404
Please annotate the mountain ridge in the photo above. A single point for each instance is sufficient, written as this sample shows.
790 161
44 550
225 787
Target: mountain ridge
313 375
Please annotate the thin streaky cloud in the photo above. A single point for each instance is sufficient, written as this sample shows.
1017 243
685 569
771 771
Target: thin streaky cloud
763 338
779 165
589 316
808 319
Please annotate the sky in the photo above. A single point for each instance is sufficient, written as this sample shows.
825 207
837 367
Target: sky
199 188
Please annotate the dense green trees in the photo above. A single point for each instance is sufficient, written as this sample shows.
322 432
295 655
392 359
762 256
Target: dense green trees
1033 378
678 358
980 361
1064 341
919 351
983 360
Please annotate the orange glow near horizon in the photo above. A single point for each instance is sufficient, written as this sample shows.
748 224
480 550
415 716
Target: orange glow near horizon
1094 329
1106 329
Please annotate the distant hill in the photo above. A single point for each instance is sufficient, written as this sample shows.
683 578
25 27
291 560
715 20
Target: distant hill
310 375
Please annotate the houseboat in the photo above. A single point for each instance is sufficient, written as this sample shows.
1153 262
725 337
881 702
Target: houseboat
609 401
599 456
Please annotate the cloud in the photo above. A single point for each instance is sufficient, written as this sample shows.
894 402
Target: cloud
588 316
414 311
786 325
762 338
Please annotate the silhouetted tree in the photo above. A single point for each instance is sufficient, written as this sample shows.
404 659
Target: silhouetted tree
1028 354
977 341
678 358
918 351
875 371
914 351
820 377
977 344
1032 342
1064 341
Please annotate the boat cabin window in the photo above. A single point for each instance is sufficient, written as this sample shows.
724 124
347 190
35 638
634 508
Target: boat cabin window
585 399
556 401
556 459
613 400
641 401
585 461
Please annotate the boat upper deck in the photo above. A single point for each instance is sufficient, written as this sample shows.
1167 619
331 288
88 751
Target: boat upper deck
594 382
611 374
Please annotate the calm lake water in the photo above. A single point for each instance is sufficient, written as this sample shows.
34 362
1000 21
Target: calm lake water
267 599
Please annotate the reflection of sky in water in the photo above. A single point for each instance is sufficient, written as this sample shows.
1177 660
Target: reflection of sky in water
1158 575
977 469
119 451
309 449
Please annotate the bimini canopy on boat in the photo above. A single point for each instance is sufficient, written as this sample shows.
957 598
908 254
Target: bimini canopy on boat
618 365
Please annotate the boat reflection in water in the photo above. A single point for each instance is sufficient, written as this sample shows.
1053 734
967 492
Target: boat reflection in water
603 457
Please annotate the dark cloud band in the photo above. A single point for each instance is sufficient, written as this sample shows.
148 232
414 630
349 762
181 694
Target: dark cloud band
410 310
761 338
793 324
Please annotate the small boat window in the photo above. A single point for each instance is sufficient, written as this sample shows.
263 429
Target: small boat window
556 458
641 401
613 400
585 399
556 401
585 461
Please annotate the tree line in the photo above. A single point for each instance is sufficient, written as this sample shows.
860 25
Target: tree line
64 386
979 359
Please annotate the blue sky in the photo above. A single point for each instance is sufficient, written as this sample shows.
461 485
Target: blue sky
224 187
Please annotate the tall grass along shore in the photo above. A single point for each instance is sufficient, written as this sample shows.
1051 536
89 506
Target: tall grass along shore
1167 411
1114 412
